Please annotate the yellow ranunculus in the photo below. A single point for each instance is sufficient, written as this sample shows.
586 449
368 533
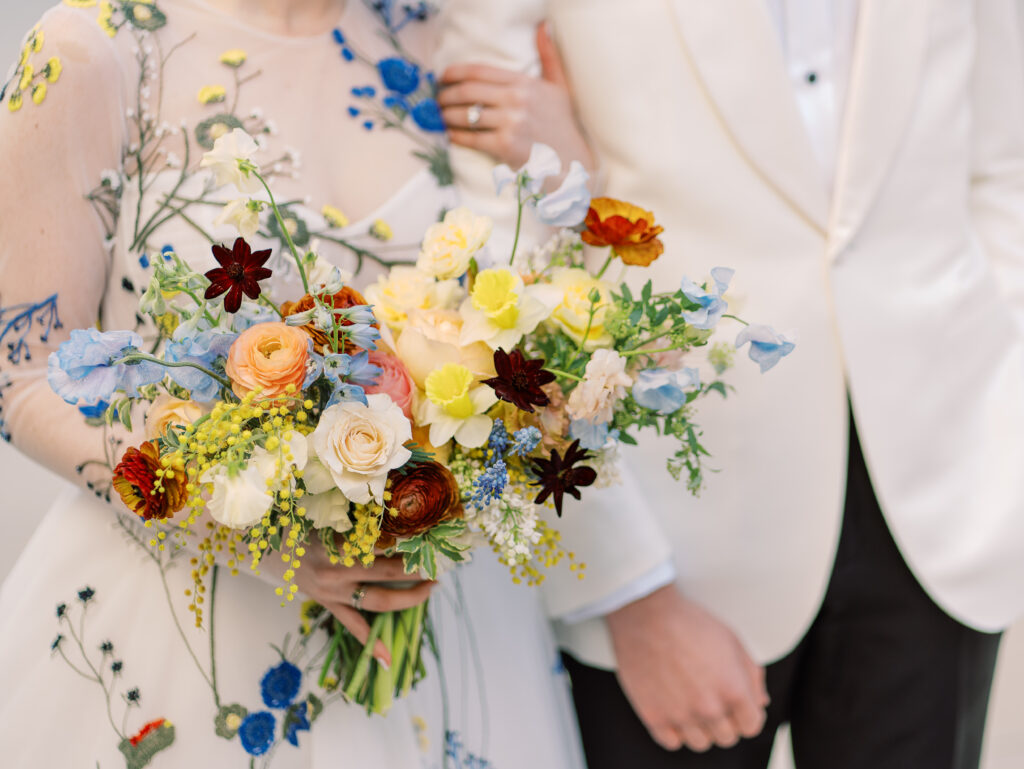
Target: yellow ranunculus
573 313
448 387
405 289
212 94
234 58
495 293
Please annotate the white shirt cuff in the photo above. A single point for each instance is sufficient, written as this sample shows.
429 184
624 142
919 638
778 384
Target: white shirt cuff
662 574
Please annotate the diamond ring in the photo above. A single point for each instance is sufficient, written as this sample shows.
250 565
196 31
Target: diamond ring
473 114
357 597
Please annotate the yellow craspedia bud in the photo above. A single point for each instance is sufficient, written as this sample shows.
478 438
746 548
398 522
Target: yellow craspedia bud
448 387
496 294
235 57
212 94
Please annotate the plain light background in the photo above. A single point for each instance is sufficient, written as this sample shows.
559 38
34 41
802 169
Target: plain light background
26 491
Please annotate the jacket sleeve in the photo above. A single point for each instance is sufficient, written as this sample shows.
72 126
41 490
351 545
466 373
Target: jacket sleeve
997 181
613 531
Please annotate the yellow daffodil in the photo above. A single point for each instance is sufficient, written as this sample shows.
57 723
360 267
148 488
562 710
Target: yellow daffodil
212 94
455 406
500 309
335 216
234 58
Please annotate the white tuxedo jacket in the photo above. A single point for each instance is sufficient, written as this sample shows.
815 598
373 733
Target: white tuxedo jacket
904 286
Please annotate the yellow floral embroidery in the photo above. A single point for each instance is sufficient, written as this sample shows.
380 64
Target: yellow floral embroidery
14 103
53 69
105 19
26 77
211 94
334 216
38 93
234 58
381 230
80 3
37 40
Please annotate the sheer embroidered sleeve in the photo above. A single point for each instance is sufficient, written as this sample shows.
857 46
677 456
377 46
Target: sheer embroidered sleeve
61 134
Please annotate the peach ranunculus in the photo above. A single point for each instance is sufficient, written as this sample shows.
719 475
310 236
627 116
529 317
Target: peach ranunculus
394 381
431 339
269 356
167 411
405 289
343 299
628 229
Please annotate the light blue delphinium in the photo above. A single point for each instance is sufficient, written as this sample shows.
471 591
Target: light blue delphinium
358 314
490 484
712 305
568 205
664 391
525 440
347 393
203 349
591 435
351 369
362 335
85 369
767 346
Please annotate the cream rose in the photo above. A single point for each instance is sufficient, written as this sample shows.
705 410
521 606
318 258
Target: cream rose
405 289
431 339
359 445
449 245
167 411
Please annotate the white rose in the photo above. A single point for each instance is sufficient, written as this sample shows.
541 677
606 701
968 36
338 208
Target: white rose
240 501
604 384
450 244
359 445
224 158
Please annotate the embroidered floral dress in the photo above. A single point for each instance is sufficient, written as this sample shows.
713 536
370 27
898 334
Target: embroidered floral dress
102 124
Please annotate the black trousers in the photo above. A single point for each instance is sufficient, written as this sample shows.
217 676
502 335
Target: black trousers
884 679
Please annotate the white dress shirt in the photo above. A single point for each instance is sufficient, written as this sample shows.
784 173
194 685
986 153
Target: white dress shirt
817 42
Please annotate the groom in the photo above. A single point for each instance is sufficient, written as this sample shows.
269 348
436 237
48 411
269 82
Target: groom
861 165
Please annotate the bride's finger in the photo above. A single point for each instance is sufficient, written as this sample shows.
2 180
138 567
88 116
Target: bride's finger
488 118
474 92
388 569
357 625
489 142
378 599
458 73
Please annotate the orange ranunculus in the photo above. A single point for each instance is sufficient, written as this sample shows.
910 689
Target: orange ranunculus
421 498
269 356
144 493
347 297
628 229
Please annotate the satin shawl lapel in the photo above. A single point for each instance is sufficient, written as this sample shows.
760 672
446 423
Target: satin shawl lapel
889 57
736 53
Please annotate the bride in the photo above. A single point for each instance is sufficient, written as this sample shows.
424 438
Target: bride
103 123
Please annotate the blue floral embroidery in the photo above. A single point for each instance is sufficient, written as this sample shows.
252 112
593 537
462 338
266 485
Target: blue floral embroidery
461 757
19 320
399 75
296 721
407 12
427 116
280 685
257 732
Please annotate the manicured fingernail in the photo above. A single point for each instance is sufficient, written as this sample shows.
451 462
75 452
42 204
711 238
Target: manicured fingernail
384 663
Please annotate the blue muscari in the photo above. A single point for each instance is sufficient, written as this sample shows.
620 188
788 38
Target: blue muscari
525 440
490 484
498 441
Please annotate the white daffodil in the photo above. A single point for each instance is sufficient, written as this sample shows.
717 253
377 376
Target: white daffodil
500 309
455 407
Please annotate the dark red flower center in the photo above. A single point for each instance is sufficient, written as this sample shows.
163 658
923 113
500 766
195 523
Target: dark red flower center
235 270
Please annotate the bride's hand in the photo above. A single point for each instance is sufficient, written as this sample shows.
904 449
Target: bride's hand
515 110
334 586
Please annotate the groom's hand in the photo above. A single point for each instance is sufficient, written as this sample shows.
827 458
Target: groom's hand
686 674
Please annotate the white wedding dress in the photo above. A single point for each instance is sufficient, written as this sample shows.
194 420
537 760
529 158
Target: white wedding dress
101 129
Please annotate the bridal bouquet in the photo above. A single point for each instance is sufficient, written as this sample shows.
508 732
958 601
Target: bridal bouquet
450 406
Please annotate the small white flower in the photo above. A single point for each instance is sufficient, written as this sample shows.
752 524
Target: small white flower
226 157
243 214
238 501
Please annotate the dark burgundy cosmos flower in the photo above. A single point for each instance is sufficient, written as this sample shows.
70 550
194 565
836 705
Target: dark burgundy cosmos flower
558 476
240 271
520 379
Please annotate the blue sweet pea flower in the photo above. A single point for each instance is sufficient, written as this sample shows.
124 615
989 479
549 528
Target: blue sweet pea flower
280 685
363 335
353 369
256 732
767 346
664 391
84 369
542 163
203 349
591 435
712 306
427 115
296 721
568 205
399 75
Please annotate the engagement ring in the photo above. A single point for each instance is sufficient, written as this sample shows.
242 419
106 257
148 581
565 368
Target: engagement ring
357 597
473 114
